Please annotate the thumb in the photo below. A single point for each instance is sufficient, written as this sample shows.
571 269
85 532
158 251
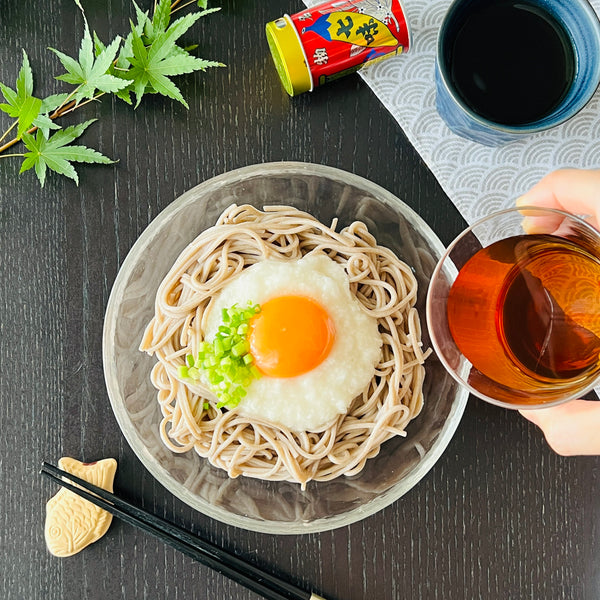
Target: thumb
571 190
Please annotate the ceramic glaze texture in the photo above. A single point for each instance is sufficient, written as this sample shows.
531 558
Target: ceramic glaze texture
583 28
461 122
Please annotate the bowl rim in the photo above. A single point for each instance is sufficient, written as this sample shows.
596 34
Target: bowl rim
128 430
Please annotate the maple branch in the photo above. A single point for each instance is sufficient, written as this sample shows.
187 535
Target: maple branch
13 142
174 7
9 130
73 106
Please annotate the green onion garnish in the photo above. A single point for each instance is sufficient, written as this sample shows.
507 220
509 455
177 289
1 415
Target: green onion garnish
226 364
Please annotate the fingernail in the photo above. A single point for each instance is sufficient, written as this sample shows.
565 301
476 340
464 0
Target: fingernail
521 201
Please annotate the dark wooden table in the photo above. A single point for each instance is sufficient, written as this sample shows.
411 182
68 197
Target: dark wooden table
500 516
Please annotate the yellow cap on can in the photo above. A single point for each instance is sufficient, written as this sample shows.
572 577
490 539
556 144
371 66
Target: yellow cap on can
289 56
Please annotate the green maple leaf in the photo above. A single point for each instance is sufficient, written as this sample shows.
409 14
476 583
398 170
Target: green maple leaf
139 66
162 16
152 28
20 103
29 110
49 105
152 66
91 71
56 153
122 65
45 124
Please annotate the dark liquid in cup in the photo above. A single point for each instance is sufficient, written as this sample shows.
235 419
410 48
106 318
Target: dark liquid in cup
525 311
511 62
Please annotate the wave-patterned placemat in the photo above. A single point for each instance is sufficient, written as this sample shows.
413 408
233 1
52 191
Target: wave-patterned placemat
477 179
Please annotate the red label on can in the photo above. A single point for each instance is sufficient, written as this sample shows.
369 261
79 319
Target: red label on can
342 36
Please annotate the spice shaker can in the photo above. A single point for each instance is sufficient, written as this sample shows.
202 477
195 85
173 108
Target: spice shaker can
334 39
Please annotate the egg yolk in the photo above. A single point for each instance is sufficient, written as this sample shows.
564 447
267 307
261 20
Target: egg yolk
290 335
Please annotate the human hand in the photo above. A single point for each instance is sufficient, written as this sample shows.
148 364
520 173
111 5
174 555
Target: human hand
572 190
572 428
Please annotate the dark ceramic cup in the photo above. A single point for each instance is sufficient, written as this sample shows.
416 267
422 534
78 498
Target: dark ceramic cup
582 28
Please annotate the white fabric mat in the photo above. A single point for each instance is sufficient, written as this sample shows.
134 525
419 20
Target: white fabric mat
477 179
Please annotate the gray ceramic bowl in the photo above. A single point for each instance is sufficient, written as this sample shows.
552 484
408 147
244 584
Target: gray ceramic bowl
274 507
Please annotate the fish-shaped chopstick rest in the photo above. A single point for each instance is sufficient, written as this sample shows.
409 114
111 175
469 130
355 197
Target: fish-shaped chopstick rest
72 523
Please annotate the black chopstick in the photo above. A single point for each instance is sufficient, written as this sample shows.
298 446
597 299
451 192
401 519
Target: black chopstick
248 575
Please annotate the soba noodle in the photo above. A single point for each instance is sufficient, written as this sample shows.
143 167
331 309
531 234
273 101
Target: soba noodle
385 288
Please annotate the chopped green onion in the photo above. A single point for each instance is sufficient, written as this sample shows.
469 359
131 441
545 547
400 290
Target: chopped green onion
209 361
225 363
240 349
218 347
